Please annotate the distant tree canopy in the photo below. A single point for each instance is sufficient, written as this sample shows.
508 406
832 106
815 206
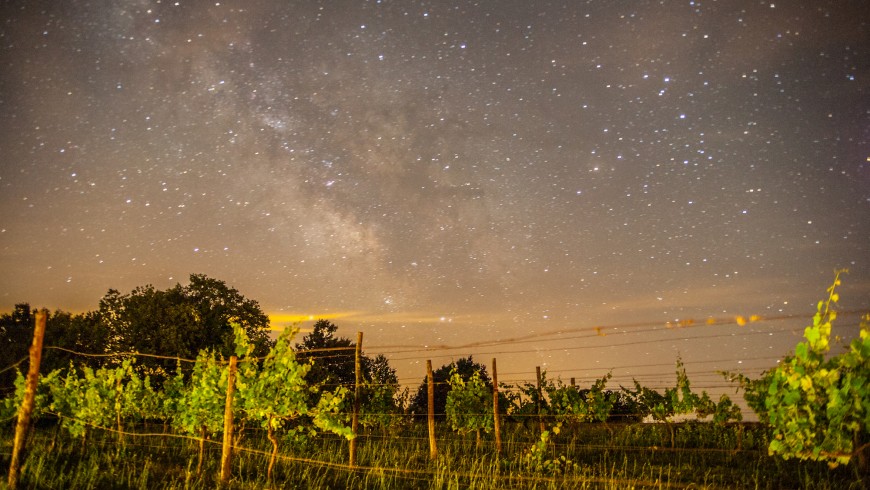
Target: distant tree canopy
182 320
177 322
337 367
333 356
76 332
334 365
466 367
16 331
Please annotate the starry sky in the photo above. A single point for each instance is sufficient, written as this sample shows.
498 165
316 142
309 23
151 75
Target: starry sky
477 175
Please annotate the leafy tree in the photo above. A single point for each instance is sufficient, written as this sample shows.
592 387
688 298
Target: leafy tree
83 333
16 334
80 333
181 321
818 406
334 364
220 308
466 367
333 357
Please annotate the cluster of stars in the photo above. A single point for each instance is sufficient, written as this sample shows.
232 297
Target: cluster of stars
457 163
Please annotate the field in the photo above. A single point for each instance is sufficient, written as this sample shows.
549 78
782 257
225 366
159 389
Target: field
581 456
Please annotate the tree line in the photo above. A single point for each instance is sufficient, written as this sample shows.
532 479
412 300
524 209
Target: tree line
176 322
817 405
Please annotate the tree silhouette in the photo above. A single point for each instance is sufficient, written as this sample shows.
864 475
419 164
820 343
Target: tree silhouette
180 321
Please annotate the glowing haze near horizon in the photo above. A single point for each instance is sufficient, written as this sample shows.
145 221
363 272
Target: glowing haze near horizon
449 173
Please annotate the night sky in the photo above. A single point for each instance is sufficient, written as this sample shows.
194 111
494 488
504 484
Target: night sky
451 172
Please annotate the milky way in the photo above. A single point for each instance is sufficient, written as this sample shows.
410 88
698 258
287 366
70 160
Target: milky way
448 173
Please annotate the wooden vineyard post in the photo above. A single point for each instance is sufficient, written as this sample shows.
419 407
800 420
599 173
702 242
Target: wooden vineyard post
496 422
354 424
26 409
573 383
540 398
118 390
227 448
430 388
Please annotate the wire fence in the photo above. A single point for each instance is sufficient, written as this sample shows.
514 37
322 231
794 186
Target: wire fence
131 439
651 374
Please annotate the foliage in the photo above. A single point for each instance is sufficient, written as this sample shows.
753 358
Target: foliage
535 458
101 397
201 401
177 322
16 334
181 321
567 403
624 409
469 404
170 398
81 333
333 364
275 391
9 405
679 400
530 401
59 461
818 406
333 356
466 367
382 405
726 411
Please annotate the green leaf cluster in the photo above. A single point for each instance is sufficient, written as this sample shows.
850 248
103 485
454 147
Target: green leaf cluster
273 391
817 405
200 403
537 460
567 403
469 403
101 397
681 400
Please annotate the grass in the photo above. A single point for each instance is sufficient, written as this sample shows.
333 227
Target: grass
625 456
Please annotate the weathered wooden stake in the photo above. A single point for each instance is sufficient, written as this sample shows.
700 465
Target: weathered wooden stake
430 385
354 424
540 399
227 448
118 392
573 383
496 419
26 409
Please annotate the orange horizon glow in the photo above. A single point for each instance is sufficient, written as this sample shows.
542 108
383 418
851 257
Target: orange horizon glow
277 321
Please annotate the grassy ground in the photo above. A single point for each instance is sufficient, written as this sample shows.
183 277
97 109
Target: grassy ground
592 456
